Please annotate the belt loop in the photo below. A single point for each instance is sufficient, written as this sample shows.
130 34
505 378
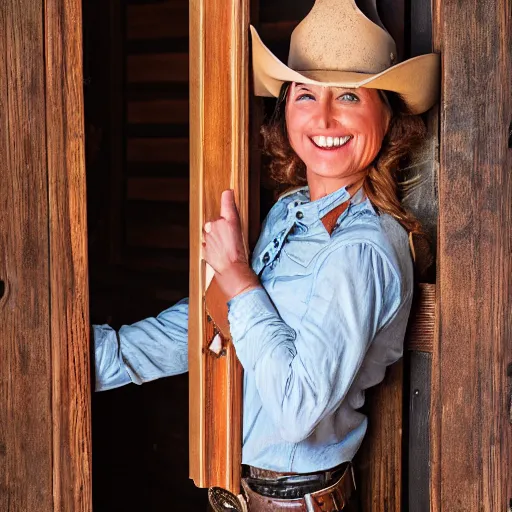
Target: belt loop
310 503
353 476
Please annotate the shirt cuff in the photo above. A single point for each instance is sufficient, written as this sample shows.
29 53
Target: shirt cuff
243 308
256 327
109 368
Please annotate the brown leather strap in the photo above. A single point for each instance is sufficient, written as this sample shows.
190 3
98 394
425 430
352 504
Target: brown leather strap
217 309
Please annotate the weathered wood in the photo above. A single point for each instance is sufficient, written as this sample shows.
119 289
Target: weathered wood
218 160
69 294
379 460
419 432
44 361
471 434
25 349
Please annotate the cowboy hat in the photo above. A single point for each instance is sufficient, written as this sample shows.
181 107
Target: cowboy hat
338 45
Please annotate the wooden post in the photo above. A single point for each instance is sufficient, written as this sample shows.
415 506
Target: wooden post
218 161
44 351
472 434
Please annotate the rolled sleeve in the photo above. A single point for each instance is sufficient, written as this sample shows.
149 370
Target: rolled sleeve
144 351
109 367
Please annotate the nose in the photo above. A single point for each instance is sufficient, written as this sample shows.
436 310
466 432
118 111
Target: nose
325 113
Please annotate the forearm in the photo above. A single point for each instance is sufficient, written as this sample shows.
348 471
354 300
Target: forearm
145 351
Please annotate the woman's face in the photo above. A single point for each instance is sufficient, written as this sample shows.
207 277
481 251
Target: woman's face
336 132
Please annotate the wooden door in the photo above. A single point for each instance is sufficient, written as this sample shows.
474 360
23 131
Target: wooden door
471 389
44 351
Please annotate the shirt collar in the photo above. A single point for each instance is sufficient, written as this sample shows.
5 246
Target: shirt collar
308 211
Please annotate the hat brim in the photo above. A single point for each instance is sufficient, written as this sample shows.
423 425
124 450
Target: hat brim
416 79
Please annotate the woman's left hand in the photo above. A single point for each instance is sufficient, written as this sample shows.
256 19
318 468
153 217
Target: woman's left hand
224 250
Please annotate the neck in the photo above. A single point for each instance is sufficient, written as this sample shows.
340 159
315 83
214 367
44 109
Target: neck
320 187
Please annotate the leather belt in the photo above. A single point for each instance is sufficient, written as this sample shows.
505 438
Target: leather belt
324 491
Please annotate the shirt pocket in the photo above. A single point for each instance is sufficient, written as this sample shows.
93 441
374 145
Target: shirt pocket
303 253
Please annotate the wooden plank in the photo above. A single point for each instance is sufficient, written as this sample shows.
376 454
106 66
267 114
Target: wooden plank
157 67
157 20
25 353
158 112
378 463
471 433
158 189
158 149
71 386
219 160
419 432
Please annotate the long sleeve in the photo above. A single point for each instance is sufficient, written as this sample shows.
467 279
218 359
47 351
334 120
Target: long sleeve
145 351
303 375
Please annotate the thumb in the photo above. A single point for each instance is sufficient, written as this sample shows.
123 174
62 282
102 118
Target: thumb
228 208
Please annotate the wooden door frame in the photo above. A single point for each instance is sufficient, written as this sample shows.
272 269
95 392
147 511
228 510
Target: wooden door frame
45 430
218 161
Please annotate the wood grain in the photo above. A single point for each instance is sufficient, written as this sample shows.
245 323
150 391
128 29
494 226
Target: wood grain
378 463
25 350
419 431
218 160
471 435
69 294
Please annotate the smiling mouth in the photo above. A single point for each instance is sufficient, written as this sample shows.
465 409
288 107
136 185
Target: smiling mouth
322 142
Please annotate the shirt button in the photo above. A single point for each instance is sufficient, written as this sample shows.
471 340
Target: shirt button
276 243
266 258
299 215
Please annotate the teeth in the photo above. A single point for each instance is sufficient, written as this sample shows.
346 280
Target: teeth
329 142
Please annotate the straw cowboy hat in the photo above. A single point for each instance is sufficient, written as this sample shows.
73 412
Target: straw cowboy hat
336 44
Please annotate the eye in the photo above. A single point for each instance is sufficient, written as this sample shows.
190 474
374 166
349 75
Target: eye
305 96
348 96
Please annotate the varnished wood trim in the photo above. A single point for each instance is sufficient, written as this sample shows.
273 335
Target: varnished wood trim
69 293
218 156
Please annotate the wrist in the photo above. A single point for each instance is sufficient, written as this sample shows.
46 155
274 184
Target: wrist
236 279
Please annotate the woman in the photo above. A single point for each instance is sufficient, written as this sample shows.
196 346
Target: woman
322 309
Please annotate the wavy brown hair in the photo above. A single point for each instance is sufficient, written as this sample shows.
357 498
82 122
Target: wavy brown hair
406 133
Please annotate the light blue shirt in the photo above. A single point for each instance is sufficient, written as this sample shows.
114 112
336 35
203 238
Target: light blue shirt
330 317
